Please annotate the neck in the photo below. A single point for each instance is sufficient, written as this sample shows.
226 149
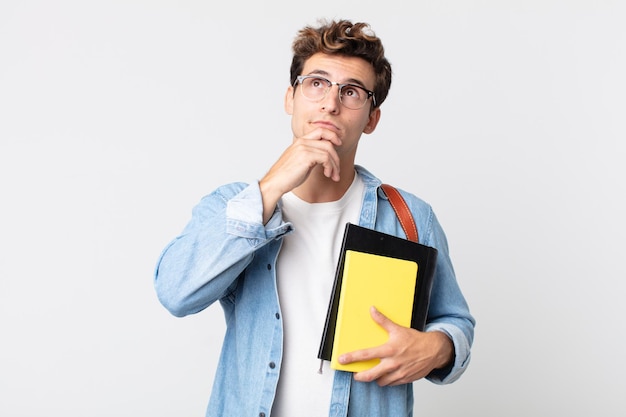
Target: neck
320 189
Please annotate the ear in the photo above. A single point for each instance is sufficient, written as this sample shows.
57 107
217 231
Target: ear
372 122
289 100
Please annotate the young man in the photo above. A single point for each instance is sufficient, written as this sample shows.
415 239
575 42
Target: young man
267 251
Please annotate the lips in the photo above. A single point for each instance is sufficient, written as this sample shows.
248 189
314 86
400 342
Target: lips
326 125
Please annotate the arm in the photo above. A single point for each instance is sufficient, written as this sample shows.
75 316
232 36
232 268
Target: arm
448 311
199 266
230 224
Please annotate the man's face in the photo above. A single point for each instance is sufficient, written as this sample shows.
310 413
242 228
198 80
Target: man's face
329 112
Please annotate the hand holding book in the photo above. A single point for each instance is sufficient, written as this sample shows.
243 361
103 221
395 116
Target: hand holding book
409 354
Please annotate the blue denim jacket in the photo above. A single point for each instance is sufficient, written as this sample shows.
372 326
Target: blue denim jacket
226 254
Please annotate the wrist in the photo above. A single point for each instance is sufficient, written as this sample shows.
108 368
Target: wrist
269 198
445 352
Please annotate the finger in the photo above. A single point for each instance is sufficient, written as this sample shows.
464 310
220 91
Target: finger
328 158
318 152
390 372
324 134
382 379
359 355
374 352
385 373
382 320
331 167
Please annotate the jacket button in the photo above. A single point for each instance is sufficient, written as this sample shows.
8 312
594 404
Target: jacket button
261 414
269 266
277 316
272 365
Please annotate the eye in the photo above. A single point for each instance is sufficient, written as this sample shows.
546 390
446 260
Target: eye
318 83
352 91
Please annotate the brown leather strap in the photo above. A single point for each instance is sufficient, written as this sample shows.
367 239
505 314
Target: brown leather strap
402 211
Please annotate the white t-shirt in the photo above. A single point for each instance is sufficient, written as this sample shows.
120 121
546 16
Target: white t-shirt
305 273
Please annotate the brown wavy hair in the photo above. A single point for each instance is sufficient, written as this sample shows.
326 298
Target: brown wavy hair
342 37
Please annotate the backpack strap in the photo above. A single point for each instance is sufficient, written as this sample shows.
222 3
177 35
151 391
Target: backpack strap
402 211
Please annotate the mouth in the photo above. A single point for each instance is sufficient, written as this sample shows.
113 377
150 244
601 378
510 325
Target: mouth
326 125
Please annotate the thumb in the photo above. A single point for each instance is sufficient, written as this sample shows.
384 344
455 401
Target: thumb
382 320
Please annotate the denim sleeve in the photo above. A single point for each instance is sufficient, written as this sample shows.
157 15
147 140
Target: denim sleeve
244 217
448 310
201 265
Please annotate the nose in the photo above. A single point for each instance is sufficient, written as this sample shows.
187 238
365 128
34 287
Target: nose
331 102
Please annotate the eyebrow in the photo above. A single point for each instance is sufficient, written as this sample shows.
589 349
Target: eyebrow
352 81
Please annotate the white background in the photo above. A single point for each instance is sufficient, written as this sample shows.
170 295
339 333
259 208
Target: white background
116 117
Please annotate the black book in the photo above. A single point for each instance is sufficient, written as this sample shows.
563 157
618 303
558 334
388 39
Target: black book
363 240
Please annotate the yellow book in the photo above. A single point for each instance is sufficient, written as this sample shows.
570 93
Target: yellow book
371 280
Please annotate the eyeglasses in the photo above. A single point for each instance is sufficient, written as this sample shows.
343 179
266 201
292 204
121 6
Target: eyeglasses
315 88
